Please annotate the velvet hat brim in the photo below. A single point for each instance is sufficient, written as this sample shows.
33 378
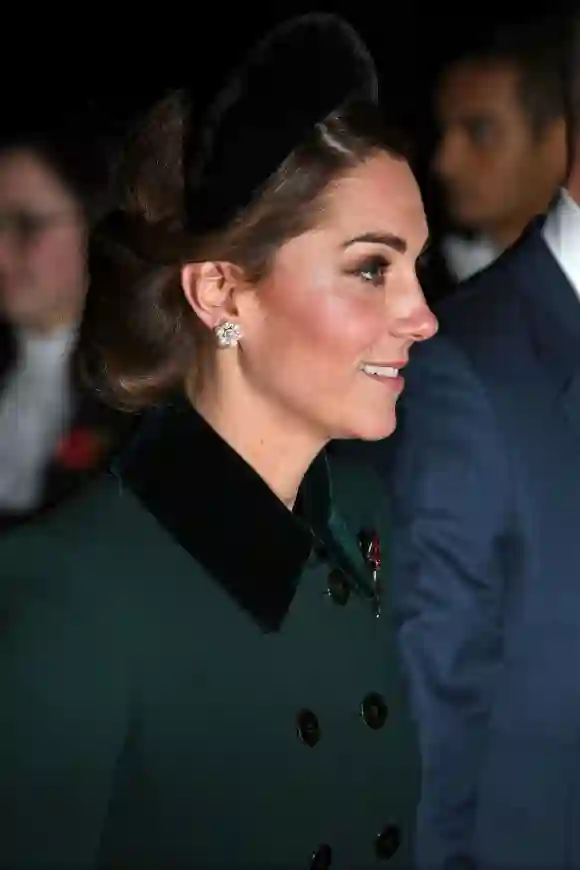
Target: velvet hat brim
298 75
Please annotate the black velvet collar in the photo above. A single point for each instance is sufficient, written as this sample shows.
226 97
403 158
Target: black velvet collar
219 510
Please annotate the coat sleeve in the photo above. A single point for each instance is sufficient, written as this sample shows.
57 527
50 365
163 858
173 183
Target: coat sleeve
63 712
450 492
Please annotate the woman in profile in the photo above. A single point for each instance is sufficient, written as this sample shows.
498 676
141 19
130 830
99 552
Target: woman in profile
197 663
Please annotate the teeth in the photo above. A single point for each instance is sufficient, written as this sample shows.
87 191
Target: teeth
381 371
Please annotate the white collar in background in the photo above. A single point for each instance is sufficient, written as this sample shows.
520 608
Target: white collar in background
466 257
51 350
561 233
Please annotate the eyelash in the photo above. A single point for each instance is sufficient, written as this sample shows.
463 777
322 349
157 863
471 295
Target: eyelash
370 265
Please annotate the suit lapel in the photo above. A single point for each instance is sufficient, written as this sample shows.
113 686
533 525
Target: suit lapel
552 307
570 401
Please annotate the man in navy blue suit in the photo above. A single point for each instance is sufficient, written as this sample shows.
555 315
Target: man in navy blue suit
486 485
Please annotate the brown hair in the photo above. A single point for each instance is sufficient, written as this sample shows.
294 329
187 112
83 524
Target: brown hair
140 336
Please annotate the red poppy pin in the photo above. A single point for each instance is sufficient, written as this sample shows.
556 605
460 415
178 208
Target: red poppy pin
80 449
371 550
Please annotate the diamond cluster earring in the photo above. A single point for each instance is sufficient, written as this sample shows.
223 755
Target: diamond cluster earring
228 334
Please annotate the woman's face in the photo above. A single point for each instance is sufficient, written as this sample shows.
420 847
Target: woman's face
327 332
42 245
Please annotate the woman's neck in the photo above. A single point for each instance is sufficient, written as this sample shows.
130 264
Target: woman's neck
278 449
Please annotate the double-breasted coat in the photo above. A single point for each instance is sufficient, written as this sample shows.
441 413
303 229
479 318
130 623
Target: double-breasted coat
193 676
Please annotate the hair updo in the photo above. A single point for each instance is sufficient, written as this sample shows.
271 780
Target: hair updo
140 337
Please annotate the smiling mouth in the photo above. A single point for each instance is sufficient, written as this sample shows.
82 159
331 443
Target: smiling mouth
380 371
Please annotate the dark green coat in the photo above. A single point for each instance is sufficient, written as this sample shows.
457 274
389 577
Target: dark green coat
179 689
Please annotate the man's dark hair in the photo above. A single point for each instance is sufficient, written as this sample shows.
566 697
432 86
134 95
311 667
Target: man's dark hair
537 49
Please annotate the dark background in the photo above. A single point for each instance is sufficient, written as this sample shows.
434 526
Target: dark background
104 64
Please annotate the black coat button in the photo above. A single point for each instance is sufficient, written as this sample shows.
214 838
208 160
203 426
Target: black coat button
307 727
321 859
321 552
338 587
387 843
374 710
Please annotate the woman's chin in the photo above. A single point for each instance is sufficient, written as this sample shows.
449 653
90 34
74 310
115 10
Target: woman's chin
373 429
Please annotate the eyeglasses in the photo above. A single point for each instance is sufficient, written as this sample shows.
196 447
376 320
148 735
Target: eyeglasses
26 227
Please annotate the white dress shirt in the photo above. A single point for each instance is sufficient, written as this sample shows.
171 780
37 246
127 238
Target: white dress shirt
562 235
466 257
35 410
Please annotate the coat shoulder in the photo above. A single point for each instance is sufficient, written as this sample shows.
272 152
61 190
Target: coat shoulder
100 553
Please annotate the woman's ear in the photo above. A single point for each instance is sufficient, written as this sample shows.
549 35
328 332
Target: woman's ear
208 287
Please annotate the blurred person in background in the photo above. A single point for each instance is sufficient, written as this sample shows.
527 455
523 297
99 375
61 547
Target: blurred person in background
485 474
501 153
52 188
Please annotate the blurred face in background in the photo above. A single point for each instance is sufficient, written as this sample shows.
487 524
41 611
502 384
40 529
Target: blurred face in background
496 169
43 235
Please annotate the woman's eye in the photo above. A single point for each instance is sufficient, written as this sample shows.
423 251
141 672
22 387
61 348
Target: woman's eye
374 271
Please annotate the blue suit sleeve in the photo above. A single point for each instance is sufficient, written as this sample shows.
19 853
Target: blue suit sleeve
450 490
